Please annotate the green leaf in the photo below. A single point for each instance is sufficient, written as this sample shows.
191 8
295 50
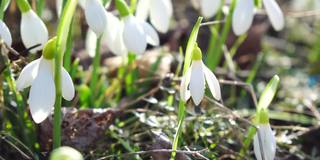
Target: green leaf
191 43
268 93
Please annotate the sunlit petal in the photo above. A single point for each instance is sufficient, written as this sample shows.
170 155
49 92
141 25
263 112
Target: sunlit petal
243 16
96 16
184 91
5 33
67 85
27 75
42 93
143 8
209 7
91 42
268 142
160 14
134 36
197 82
275 14
212 82
33 31
150 33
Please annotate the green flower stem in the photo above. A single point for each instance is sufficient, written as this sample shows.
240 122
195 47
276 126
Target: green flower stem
214 57
39 7
96 68
133 5
123 8
23 5
214 34
62 35
187 62
67 57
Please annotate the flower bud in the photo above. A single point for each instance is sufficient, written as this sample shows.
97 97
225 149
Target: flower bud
65 153
49 49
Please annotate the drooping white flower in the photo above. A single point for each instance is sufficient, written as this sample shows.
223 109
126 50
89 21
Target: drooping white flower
243 16
33 31
96 16
137 34
160 12
5 33
112 37
194 80
39 74
244 13
208 8
268 143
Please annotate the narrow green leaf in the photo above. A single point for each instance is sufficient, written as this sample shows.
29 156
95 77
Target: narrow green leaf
191 42
268 93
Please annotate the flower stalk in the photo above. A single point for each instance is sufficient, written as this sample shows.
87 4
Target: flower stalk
214 57
62 34
187 61
23 5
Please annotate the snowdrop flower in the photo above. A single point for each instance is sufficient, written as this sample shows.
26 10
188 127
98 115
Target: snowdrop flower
268 141
33 31
39 74
136 33
5 34
244 13
193 82
96 16
208 8
112 37
160 12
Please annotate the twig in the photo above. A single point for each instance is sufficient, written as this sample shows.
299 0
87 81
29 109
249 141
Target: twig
154 151
142 97
245 85
230 111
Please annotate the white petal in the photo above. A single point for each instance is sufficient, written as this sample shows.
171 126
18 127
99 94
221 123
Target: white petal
42 93
113 35
209 7
151 34
143 8
96 16
118 44
58 7
212 82
275 14
184 91
27 75
67 85
5 33
243 16
33 31
160 14
91 40
134 36
268 142
197 82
